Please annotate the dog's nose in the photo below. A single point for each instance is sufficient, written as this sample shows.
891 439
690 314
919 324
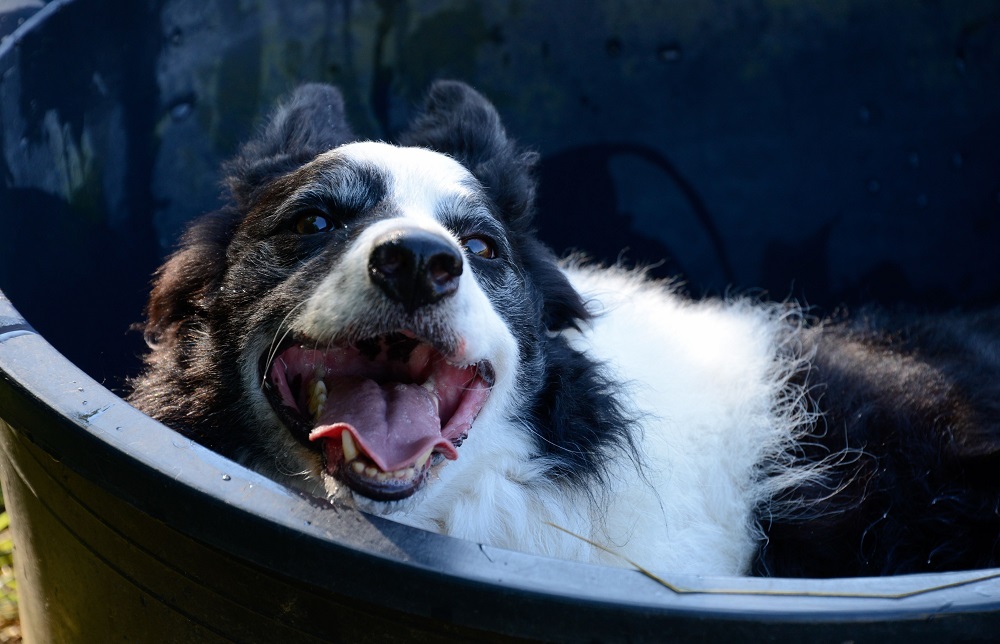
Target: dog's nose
415 267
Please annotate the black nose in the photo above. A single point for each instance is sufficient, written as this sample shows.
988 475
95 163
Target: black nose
415 267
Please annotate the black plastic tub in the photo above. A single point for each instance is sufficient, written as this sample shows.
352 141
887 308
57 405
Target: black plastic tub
838 151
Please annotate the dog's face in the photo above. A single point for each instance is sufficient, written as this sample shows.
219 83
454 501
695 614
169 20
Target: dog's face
379 340
360 305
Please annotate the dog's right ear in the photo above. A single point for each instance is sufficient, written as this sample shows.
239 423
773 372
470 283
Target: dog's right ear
308 123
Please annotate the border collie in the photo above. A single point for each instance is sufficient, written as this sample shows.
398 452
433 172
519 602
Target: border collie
378 323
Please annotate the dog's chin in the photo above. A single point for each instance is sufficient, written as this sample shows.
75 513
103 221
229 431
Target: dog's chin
382 412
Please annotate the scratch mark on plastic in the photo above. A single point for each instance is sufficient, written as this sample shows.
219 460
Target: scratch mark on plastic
91 415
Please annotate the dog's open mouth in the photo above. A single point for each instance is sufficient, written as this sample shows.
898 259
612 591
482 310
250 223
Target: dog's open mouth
383 411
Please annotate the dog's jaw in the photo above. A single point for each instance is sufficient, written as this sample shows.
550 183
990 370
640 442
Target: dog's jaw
378 413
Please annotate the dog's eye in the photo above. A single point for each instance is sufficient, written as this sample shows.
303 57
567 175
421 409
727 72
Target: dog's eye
312 221
480 246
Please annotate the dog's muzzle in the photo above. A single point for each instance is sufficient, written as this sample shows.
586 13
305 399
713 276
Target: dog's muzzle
385 406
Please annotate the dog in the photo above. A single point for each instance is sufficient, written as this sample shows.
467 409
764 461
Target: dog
377 323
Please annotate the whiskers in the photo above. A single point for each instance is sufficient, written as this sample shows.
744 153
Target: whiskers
279 338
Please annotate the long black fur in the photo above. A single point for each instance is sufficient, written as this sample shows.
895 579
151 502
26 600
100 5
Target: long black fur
912 405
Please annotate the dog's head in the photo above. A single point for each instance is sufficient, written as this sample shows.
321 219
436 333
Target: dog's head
358 305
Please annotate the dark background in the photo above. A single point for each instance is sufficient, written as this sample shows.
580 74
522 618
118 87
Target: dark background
838 151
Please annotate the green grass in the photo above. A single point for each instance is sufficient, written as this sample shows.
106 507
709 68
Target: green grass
10 630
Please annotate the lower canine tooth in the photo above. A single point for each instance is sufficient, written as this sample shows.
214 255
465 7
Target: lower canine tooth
422 460
350 449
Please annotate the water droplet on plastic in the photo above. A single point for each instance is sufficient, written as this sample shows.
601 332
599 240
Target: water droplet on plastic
670 53
874 185
24 143
176 36
922 201
913 159
181 111
79 388
960 64
865 114
226 477
958 160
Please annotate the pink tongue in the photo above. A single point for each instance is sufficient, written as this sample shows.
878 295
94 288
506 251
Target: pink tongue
393 424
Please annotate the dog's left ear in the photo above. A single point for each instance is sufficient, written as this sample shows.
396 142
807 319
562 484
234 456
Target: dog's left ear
458 121
310 122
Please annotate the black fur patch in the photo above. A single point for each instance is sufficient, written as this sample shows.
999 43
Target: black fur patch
310 122
578 414
916 402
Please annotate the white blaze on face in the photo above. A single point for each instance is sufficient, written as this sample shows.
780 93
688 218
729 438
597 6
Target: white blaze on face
421 179
421 186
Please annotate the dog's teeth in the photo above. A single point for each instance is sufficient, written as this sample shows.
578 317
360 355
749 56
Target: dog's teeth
371 471
404 473
430 385
423 460
350 449
317 399
383 476
358 467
